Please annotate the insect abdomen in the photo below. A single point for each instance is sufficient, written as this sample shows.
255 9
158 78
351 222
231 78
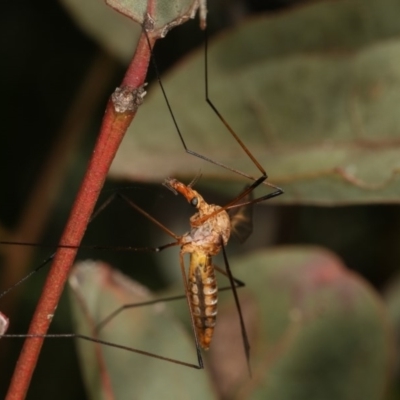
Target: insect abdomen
203 297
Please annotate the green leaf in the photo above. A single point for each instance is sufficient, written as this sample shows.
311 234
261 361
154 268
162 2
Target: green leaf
316 329
165 14
321 331
114 31
110 372
312 93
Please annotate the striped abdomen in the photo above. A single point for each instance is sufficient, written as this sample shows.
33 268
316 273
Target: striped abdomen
203 296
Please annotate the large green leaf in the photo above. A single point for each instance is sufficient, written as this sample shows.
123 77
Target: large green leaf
317 331
112 373
313 93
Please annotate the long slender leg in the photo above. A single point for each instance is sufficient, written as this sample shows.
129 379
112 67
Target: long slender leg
103 342
246 344
26 277
257 181
255 201
238 283
99 210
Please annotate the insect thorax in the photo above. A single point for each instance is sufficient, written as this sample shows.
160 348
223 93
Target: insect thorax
207 236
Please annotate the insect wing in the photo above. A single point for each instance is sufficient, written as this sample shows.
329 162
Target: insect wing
242 219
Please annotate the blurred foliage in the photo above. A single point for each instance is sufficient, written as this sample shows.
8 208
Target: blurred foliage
306 315
319 112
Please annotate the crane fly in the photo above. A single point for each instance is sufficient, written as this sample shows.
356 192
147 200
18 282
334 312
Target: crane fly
211 227
209 234
202 242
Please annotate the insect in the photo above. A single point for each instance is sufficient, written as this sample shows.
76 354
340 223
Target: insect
199 255
202 242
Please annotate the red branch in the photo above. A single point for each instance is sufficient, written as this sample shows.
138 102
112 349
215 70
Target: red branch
112 131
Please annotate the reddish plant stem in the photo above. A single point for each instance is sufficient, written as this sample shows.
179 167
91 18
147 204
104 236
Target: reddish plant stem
112 131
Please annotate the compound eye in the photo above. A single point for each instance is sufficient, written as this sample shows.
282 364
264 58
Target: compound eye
194 201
